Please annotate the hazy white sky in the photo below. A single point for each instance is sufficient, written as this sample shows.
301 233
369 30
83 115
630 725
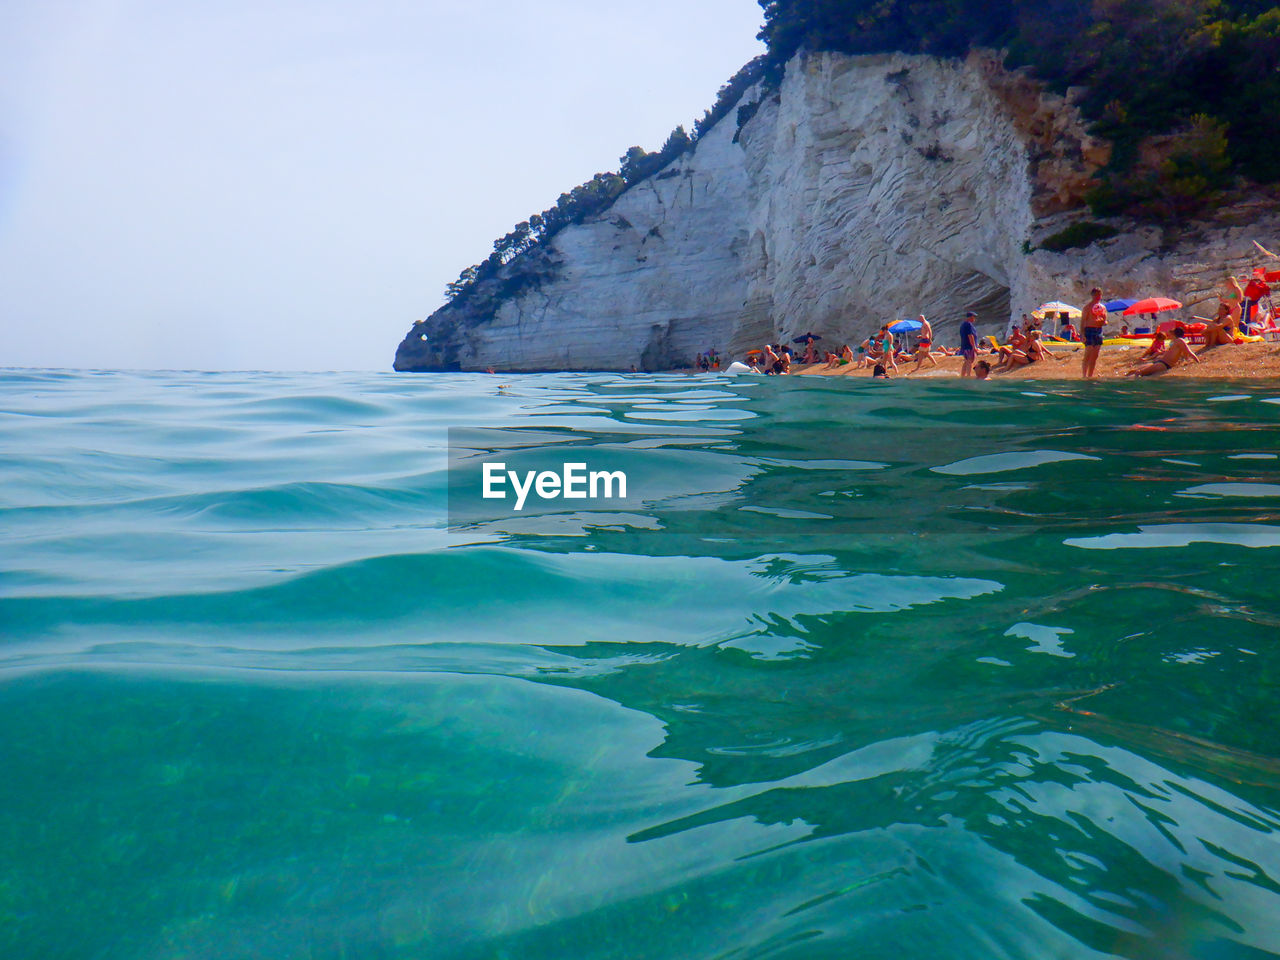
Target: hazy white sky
288 184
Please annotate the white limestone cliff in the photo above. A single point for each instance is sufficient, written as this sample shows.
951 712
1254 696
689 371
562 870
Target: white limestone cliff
863 189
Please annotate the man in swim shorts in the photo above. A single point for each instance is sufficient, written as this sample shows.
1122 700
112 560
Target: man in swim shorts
1093 320
1176 353
924 344
968 343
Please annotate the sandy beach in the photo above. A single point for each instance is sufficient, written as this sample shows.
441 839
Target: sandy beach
1236 361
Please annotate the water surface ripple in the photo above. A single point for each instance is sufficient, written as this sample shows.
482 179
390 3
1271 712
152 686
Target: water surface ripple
876 670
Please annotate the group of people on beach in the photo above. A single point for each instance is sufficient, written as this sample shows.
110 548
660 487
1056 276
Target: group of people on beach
707 361
1027 345
880 351
1242 310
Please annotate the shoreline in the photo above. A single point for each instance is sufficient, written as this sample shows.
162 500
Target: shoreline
1228 362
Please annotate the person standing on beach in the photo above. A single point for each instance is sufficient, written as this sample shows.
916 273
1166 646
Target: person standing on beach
924 344
1093 320
887 348
968 343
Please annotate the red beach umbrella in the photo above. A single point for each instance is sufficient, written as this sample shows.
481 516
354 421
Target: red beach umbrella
1153 305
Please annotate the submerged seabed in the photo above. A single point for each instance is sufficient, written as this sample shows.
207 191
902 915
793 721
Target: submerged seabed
886 670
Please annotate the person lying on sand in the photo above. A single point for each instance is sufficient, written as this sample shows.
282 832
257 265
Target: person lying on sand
1265 325
1176 352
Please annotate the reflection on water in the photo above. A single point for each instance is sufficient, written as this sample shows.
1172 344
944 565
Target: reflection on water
874 671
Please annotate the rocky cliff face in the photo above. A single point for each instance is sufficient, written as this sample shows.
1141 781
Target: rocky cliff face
1188 261
864 189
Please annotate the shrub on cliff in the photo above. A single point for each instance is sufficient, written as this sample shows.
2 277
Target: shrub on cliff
1149 65
598 194
1175 177
1078 235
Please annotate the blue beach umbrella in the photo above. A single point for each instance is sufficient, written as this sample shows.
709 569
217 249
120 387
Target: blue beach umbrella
1118 306
905 326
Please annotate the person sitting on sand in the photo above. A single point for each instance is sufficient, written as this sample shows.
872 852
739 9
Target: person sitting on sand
875 345
1157 347
1033 352
1233 300
1017 341
1219 330
1254 292
866 354
835 360
770 361
1069 333
783 364
1176 352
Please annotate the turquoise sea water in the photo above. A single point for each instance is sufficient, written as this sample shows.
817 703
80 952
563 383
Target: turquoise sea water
873 670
